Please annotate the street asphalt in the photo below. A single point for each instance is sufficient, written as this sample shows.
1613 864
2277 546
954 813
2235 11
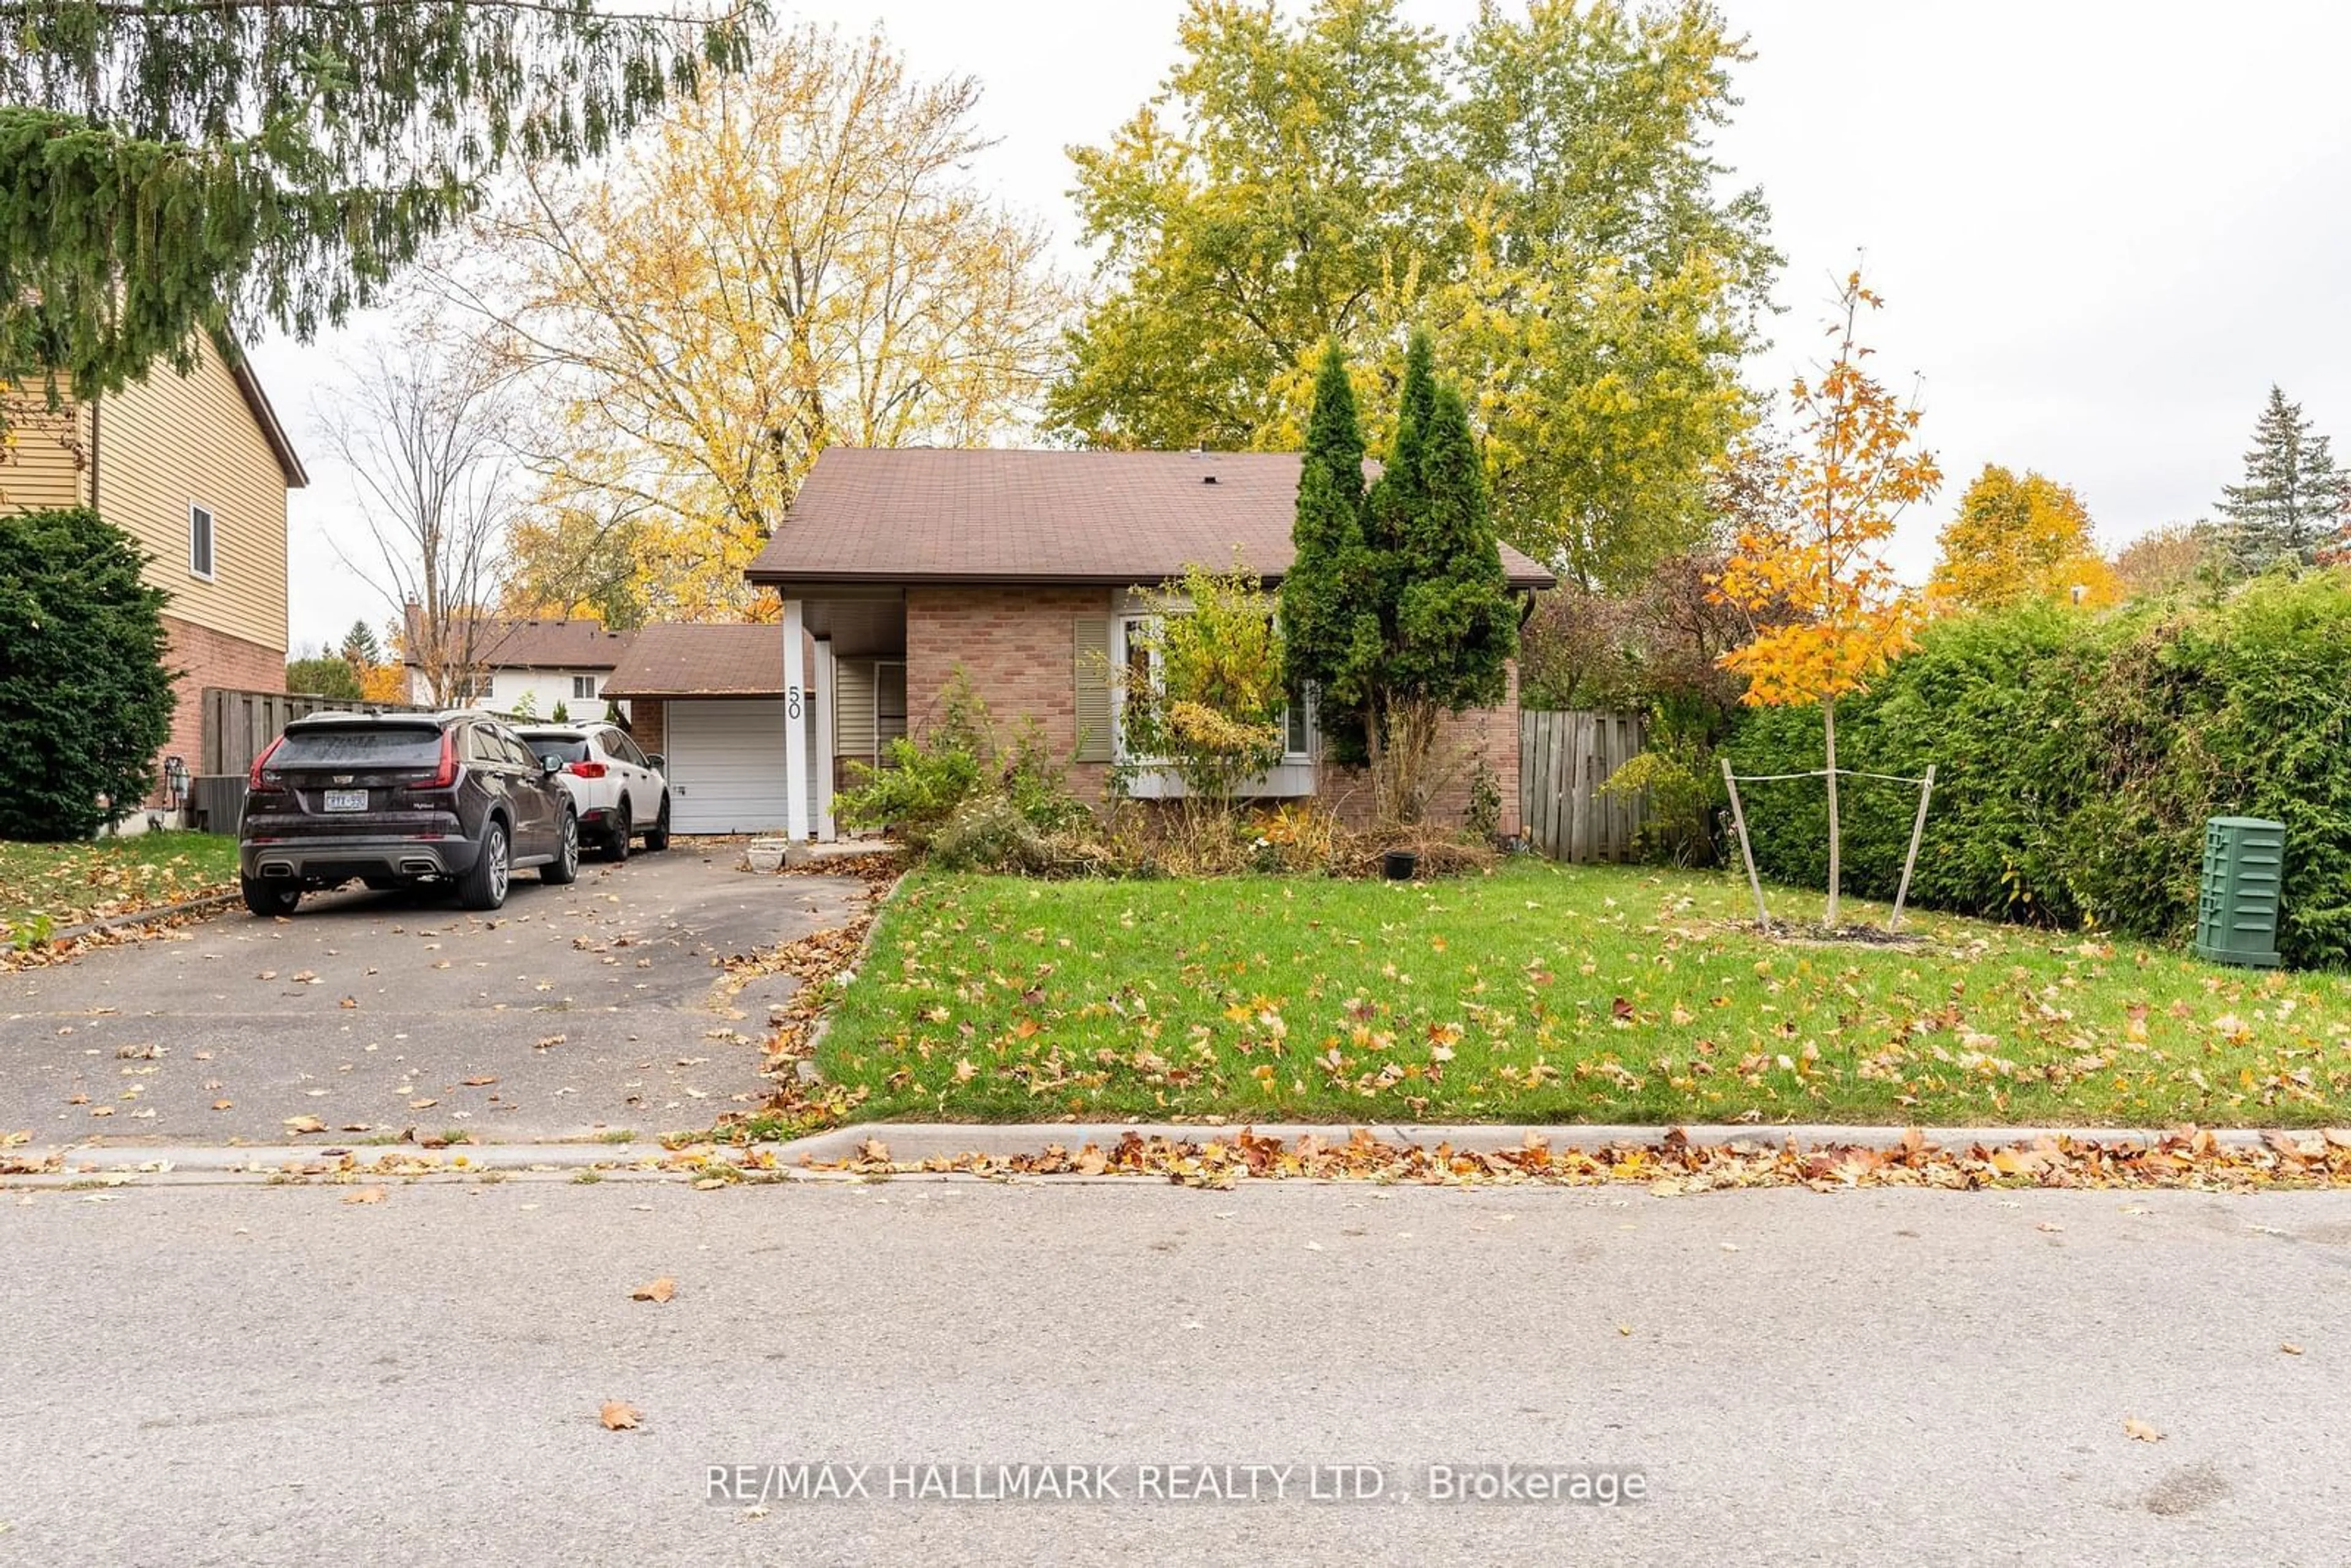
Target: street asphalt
277 1375
574 1012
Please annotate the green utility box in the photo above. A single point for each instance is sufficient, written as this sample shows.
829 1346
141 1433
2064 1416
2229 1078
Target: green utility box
2237 909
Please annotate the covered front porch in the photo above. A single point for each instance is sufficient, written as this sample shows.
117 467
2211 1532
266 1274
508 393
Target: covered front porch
844 697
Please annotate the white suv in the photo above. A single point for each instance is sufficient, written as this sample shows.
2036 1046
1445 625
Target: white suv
619 790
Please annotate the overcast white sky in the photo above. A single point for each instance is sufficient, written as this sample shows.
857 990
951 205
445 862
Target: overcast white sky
2103 228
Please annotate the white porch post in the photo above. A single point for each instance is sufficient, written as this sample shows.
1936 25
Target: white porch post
821 684
796 747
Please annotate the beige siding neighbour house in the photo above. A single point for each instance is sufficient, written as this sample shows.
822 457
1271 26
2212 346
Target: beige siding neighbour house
196 469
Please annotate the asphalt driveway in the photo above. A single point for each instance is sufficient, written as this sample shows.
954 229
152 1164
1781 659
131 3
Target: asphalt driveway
577 1012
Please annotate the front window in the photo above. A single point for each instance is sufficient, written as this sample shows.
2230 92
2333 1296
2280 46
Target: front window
1298 729
1135 670
582 687
1133 657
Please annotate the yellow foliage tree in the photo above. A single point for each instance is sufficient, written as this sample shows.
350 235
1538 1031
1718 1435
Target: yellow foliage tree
1814 562
2018 538
794 258
383 684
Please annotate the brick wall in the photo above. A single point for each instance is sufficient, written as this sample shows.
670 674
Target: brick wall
209 658
1018 646
1490 735
649 724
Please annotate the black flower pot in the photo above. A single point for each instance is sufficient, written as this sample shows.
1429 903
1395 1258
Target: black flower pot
1400 864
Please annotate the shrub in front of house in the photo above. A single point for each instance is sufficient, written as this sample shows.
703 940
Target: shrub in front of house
85 698
2078 758
925 783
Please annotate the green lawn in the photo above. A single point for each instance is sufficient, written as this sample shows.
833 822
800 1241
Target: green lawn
74 882
1545 993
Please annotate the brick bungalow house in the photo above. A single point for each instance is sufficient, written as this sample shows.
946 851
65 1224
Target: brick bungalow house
196 469
1027 571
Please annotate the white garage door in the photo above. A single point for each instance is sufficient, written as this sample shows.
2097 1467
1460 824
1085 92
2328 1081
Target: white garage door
727 765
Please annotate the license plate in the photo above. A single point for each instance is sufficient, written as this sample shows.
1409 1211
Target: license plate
347 799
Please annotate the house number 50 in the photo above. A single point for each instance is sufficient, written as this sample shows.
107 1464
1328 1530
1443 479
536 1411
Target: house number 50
792 703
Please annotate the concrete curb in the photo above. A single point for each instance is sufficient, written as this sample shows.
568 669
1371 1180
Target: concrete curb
191 1165
210 902
932 1140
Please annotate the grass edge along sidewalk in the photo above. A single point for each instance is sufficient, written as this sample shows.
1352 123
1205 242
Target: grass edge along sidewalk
1544 994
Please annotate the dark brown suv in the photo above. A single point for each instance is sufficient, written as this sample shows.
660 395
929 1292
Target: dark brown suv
396 798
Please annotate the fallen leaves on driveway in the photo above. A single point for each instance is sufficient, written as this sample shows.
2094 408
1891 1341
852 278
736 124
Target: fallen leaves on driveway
304 1125
1677 1165
365 1194
661 1289
2141 1430
618 1415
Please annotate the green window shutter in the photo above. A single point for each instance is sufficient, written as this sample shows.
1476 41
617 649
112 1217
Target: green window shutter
1090 639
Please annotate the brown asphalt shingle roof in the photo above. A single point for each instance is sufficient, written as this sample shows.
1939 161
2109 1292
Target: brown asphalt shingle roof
702 660
531 644
938 516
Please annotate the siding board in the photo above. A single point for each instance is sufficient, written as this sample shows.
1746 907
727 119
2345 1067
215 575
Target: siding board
172 440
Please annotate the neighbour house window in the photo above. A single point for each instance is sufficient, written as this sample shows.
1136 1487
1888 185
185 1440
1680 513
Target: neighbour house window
199 541
582 686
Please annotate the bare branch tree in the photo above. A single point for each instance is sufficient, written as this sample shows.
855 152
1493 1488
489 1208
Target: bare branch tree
428 428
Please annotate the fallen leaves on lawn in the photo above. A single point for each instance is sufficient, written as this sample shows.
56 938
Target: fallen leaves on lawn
618 1415
1676 1164
661 1289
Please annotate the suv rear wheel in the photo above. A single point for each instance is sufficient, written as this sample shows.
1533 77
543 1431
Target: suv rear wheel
271 898
565 867
616 842
483 886
657 836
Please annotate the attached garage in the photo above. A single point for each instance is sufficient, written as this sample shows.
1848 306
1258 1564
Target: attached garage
711 700
727 765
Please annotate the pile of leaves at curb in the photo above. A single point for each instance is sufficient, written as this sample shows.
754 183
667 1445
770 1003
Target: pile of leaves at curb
1676 1166
43 954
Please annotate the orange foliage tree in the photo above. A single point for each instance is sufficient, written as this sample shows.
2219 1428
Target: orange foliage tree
1815 563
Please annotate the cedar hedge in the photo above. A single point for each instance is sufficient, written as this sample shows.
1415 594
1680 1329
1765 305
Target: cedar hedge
2078 758
85 699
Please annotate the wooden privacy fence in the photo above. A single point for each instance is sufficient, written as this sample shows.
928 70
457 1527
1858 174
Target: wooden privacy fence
1563 758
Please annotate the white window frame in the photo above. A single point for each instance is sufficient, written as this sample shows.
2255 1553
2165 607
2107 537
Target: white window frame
209 571
579 696
1120 627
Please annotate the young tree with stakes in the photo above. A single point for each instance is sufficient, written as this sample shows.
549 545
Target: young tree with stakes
1819 561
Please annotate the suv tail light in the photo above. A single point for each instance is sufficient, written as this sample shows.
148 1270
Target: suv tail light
253 778
585 769
447 774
